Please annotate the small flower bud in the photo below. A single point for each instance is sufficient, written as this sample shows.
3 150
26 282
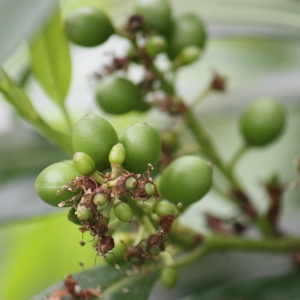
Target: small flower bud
123 211
130 183
155 45
169 276
83 213
165 207
150 189
188 55
84 163
100 199
117 154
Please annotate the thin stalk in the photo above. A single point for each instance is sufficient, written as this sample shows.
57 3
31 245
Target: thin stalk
165 85
113 225
69 125
96 175
236 157
224 243
148 224
143 218
200 97
139 236
207 146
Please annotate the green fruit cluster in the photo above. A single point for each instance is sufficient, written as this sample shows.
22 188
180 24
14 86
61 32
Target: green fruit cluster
181 38
103 185
97 147
109 182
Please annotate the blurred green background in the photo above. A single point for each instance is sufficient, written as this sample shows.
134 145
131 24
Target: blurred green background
255 44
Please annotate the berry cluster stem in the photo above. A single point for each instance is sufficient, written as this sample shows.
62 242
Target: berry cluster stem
216 243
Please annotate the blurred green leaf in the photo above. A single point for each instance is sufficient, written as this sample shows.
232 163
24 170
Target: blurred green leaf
51 61
114 284
25 152
235 276
39 251
18 19
17 97
284 286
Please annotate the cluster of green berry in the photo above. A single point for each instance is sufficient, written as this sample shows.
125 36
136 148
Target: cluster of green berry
151 30
108 183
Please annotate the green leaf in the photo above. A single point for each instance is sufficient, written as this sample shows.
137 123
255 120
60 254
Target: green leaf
283 286
114 284
235 275
51 61
17 97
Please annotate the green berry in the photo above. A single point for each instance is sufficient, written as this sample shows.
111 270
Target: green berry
188 55
118 96
164 207
262 122
155 45
187 30
143 146
169 276
117 154
123 211
88 26
157 15
52 179
186 180
121 239
130 183
100 199
72 217
82 212
94 136
150 189
84 163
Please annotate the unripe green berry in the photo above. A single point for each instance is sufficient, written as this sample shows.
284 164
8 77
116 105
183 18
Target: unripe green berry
123 211
117 154
157 15
121 239
100 199
84 163
188 55
164 207
118 95
94 136
143 146
155 45
72 217
130 183
82 212
53 178
186 180
262 122
150 189
88 26
169 276
187 30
